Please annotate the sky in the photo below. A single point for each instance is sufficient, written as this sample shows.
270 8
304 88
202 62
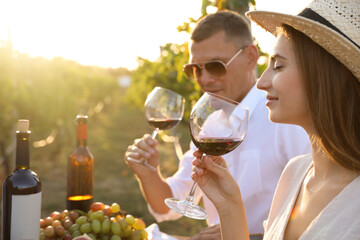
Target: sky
108 33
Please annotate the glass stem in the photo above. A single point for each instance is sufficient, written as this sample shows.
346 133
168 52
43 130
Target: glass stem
154 133
190 197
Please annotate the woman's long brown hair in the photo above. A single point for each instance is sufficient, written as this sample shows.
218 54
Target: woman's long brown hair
334 98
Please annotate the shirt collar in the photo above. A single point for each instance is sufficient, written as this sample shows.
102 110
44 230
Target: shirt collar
253 98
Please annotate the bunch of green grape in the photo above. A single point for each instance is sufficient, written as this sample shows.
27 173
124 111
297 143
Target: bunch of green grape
102 222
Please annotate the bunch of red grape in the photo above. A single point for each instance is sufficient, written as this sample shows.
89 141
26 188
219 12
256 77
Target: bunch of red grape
103 222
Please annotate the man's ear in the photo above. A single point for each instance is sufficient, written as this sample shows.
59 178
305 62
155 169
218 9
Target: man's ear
253 55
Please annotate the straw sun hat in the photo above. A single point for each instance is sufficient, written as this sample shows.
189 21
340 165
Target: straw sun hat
333 24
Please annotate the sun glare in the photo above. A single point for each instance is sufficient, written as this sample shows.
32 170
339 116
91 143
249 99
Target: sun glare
107 33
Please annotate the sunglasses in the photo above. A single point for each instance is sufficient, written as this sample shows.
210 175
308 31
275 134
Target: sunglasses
216 68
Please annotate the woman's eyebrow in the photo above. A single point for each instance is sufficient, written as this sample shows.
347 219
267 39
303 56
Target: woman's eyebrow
276 56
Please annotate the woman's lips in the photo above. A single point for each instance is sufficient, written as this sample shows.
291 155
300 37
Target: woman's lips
271 100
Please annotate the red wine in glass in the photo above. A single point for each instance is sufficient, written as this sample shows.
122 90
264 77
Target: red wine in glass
216 146
163 124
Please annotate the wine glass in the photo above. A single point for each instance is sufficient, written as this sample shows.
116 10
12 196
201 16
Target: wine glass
164 109
217 126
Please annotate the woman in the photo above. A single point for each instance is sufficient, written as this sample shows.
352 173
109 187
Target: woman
313 80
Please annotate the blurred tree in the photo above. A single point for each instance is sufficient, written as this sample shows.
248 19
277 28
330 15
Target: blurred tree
240 6
7 113
49 93
165 72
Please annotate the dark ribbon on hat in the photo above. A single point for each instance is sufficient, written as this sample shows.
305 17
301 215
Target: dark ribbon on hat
312 15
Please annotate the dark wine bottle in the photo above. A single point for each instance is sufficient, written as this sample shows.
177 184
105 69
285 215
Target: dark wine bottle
21 193
80 172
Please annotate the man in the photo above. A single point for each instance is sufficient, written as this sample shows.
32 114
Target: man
223 61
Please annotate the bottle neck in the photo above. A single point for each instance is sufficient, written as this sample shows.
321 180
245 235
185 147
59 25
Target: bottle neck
22 150
81 135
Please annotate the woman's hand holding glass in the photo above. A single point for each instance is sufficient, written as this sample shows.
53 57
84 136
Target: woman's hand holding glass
215 180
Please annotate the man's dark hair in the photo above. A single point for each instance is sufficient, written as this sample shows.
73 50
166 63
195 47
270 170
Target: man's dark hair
234 25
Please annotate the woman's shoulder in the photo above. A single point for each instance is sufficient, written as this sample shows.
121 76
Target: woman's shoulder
295 169
299 163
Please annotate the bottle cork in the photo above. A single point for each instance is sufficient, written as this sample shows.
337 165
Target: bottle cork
23 125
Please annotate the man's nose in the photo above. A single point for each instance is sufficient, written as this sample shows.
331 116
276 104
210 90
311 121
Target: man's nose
206 78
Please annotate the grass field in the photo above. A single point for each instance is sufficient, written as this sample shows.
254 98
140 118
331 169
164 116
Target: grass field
109 134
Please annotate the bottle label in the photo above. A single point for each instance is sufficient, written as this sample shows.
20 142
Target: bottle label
25 216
